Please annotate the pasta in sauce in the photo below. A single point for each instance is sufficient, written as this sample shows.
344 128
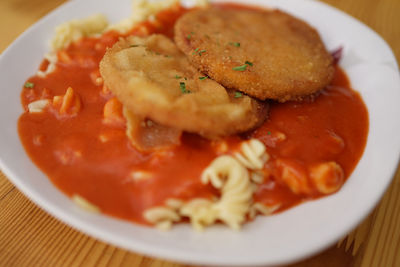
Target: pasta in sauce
74 130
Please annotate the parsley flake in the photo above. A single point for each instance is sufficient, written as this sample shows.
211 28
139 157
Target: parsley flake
238 94
195 51
201 52
177 77
235 44
269 133
182 86
243 67
203 78
240 68
29 85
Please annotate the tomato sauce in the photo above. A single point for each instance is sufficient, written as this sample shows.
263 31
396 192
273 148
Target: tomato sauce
84 156
332 127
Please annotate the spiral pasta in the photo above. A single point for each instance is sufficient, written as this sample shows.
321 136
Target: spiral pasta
252 154
257 177
236 178
327 177
260 208
236 190
224 173
162 217
201 213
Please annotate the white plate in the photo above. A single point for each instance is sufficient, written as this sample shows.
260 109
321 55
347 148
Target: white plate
284 238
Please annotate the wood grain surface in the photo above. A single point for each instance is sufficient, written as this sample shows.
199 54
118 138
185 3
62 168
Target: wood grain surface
31 237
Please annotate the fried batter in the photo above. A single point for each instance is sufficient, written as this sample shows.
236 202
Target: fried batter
148 136
154 79
266 54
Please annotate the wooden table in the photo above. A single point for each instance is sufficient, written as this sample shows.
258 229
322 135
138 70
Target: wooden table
31 237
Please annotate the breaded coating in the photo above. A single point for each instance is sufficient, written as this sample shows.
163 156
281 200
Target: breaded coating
154 79
148 136
267 54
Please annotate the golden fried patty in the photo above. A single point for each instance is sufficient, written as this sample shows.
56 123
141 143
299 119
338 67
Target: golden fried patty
266 54
154 79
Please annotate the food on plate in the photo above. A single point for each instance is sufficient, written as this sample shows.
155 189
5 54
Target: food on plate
267 54
154 79
232 179
146 135
143 10
74 30
125 124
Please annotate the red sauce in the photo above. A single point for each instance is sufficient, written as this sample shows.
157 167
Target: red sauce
70 151
333 127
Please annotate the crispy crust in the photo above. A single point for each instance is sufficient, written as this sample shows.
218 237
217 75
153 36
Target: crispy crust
148 136
142 73
288 56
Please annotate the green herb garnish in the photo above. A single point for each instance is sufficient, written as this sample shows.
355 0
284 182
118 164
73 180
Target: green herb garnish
29 85
243 67
182 85
235 44
201 52
240 68
195 51
189 36
238 94
269 133
203 78
177 77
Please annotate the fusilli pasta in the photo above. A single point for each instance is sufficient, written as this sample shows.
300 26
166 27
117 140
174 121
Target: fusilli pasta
236 178
227 174
201 213
162 217
265 210
252 154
